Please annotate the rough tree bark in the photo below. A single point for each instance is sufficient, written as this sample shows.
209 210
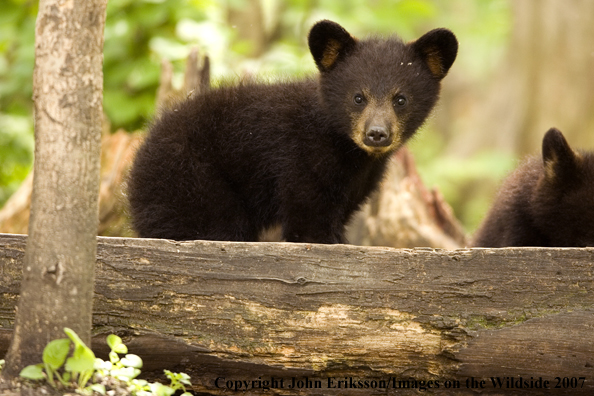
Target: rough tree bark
58 269
248 310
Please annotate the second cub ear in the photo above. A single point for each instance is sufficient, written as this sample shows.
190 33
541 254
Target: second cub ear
560 161
438 48
329 43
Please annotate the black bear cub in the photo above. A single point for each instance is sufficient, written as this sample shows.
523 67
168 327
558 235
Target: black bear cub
304 155
547 201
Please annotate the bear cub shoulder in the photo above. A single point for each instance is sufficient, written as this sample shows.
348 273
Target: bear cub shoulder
547 201
304 155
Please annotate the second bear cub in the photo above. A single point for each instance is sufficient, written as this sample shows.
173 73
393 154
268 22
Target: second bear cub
547 201
234 161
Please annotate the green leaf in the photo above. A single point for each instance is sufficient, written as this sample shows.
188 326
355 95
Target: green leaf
125 374
185 379
99 388
113 341
32 372
54 354
161 390
115 344
74 337
113 357
82 360
102 365
139 382
176 378
132 361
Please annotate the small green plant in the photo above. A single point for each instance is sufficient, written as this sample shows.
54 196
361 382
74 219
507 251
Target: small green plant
83 366
78 368
178 380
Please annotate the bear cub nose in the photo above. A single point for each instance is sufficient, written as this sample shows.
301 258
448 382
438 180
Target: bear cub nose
377 136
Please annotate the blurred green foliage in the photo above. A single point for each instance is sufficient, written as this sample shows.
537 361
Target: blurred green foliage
139 33
130 65
468 184
17 38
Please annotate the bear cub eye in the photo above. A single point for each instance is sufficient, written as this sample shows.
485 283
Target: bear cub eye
399 101
359 99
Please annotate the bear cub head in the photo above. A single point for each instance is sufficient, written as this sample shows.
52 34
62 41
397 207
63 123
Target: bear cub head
547 201
382 89
563 202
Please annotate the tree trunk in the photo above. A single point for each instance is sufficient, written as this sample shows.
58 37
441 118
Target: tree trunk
553 45
58 268
251 25
242 311
403 213
545 80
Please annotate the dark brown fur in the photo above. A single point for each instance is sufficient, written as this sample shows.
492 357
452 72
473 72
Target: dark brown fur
547 201
234 161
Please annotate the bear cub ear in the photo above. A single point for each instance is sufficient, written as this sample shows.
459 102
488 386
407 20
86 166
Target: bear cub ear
329 43
438 48
560 161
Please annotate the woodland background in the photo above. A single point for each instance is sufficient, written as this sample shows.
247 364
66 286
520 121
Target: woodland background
523 66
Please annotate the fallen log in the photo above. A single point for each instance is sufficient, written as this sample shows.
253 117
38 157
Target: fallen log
345 318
